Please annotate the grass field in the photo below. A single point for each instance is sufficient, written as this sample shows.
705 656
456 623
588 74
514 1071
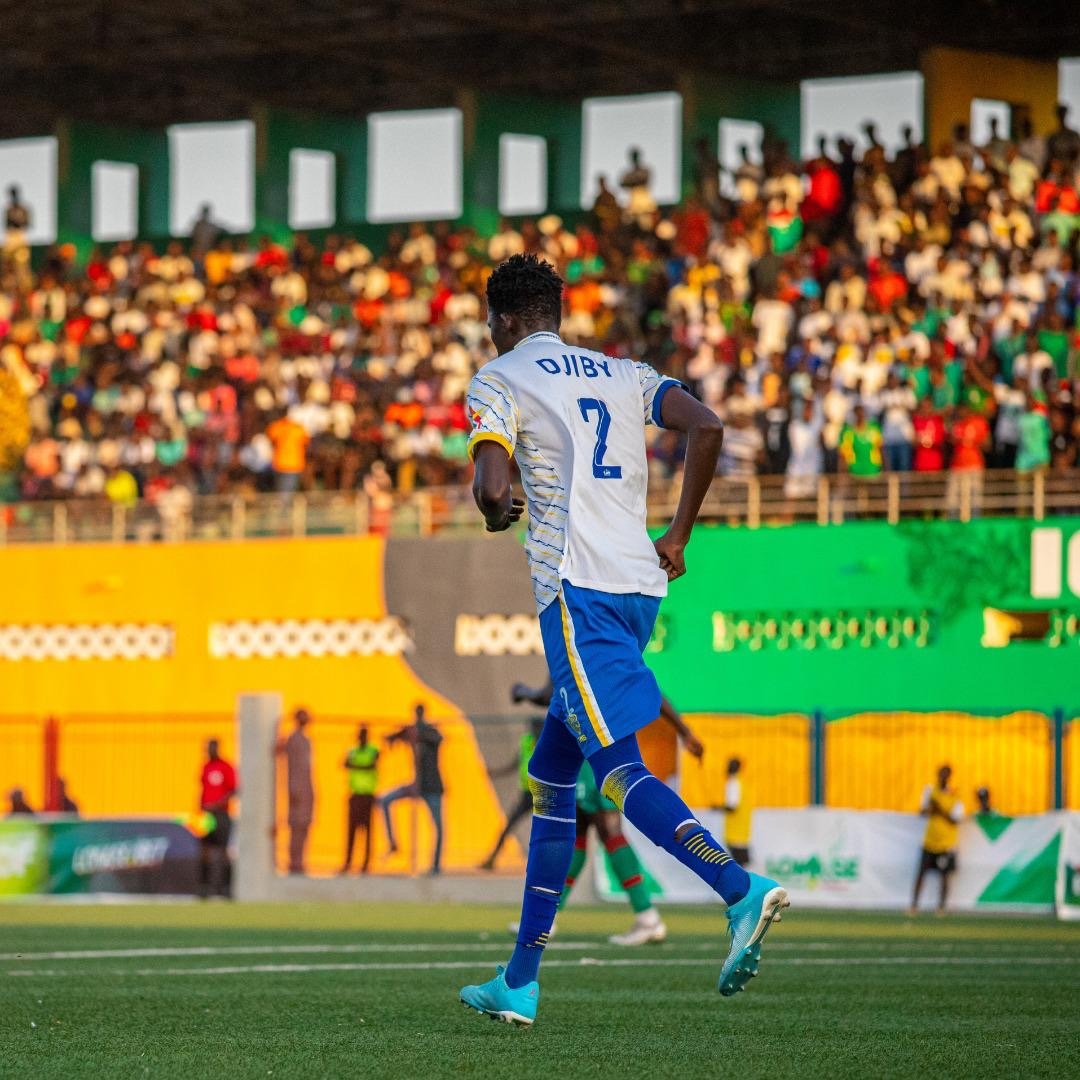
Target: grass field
241 991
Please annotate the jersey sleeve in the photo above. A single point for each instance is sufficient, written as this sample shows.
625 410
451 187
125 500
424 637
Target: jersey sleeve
653 388
492 413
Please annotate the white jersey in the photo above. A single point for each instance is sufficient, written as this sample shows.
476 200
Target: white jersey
574 420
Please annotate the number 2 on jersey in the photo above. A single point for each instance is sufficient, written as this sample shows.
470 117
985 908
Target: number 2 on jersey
603 422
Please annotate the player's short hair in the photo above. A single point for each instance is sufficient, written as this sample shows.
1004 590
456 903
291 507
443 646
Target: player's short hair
527 287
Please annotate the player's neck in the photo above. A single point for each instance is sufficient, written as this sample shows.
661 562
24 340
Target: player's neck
533 329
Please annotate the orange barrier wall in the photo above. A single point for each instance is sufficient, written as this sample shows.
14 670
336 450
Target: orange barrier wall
775 754
22 758
1071 765
131 731
882 761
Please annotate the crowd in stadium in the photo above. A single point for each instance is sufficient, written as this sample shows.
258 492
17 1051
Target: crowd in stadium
914 311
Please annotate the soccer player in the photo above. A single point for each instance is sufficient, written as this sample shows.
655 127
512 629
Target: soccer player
574 420
942 806
424 738
524 805
594 810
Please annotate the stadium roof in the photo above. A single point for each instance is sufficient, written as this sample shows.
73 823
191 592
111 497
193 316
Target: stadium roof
153 62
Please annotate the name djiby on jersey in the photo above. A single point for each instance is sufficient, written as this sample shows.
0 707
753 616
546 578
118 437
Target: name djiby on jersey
583 367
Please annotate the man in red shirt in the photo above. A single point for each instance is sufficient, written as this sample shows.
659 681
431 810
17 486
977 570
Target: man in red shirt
929 438
218 782
970 436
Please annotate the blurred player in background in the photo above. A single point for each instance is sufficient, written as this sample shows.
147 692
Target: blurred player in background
945 811
218 786
574 421
427 784
362 766
595 811
520 765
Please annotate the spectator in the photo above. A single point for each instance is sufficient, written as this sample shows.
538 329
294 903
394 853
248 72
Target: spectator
427 785
984 807
737 814
944 811
65 803
1063 144
930 438
16 221
205 233
860 445
744 448
296 750
218 786
362 765
635 181
1011 402
1033 452
807 456
290 442
970 438
897 428
18 806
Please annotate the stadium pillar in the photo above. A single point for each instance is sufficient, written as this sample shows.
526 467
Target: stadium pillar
952 78
707 100
257 717
1057 736
485 119
79 146
817 758
277 134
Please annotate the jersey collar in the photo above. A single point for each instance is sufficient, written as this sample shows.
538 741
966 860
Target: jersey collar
548 334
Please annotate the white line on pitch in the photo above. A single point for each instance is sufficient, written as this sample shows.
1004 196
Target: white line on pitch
585 961
351 948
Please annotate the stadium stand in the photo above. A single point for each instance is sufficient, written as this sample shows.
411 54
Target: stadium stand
919 313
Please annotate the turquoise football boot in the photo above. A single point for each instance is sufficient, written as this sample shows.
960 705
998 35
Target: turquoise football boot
497 1000
748 920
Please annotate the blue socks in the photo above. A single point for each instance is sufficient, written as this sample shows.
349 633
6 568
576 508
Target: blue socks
665 819
551 847
652 807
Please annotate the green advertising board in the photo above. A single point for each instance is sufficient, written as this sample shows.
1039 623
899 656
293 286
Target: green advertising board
24 857
978 617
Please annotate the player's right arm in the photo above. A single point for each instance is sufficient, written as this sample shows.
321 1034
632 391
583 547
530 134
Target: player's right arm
493 414
693 744
681 411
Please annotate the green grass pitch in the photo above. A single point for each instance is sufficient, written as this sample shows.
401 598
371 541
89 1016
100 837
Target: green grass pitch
207 991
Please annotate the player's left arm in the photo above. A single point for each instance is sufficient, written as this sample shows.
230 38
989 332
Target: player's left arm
692 743
681 411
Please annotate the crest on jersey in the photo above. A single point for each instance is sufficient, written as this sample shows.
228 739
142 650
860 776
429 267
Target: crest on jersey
474 417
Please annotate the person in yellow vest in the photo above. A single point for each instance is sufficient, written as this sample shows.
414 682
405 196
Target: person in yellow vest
737 811
945 811
362 765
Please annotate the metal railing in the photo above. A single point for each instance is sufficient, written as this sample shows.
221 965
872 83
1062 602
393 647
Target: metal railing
754 501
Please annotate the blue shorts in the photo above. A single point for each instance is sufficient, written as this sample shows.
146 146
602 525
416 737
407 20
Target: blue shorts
594 641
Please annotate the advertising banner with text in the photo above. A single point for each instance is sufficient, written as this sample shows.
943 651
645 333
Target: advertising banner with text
868 859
